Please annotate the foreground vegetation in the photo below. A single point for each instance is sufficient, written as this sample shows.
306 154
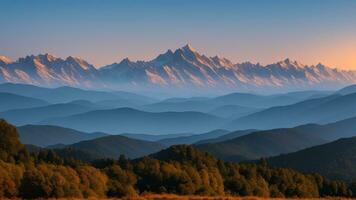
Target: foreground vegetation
180 170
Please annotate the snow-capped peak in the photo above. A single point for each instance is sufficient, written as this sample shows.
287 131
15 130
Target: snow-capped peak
49 57
221 61
287 63
82 63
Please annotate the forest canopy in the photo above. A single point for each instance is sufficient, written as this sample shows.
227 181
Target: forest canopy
180 169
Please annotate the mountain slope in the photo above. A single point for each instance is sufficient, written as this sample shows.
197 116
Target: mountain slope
347 90
127 120
228 136
49 70
192 138
51 135
261 144
320 110
115 145
276 141
335 160
185 67
10 101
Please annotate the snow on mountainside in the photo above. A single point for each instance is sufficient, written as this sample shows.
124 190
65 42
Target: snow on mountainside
4 60
183 68
49 70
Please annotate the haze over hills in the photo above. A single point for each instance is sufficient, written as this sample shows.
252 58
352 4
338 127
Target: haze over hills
10 101
25 116
67 94
184 68
320 110
347 90
128 120
231 105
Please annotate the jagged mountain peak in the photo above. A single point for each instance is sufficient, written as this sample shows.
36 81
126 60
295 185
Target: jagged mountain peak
49 57
126 61
164 57
80 62
222 61
188 47
287 63
42 58
182 68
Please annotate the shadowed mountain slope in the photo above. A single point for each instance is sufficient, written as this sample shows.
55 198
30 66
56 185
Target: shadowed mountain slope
51 135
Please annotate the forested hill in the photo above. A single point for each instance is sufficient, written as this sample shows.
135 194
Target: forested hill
180 169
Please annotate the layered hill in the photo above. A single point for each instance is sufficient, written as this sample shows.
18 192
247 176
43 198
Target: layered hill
114 145
128 120
44 136
320 110
10 101
66 94
34 115
192 138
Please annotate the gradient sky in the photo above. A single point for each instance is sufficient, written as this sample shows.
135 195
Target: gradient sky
106 31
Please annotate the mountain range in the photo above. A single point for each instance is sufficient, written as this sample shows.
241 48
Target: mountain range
184 68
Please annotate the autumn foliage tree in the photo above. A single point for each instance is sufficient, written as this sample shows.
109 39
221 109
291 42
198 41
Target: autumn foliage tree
180 169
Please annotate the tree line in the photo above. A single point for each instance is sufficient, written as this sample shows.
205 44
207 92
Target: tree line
179 169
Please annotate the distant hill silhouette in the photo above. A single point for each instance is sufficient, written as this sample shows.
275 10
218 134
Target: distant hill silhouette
192 138
51 135
123 120
114 145
10 101
347 90
321 110
227 136
34 115
66 94
155 137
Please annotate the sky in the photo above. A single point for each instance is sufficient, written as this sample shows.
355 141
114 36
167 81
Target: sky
106 31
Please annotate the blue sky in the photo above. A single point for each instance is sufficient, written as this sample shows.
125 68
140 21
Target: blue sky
106 31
